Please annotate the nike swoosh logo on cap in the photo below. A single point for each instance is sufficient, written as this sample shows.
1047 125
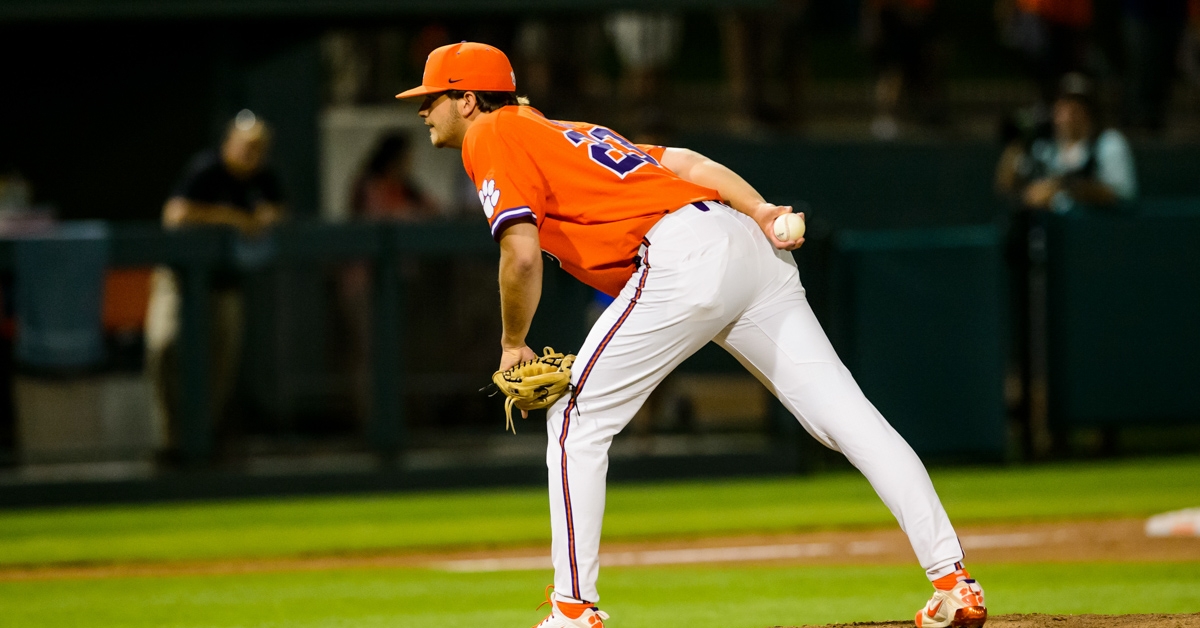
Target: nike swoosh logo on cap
453 80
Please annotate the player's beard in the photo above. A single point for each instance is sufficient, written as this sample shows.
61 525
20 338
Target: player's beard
447 133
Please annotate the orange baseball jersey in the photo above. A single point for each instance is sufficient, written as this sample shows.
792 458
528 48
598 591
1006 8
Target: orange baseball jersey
592 193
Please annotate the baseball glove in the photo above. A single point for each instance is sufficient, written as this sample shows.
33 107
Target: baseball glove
534 384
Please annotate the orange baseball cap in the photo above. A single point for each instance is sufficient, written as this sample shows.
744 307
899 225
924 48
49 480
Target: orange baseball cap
465 66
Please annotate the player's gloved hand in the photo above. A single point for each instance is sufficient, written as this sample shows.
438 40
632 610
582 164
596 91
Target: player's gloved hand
512 356
765 216
534 383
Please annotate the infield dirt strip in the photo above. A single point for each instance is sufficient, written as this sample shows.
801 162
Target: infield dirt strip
1121 540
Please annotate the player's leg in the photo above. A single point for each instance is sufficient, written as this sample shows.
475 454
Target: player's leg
781 342
621 362
686 291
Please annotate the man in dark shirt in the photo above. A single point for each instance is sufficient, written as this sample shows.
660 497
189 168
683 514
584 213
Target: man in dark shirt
230 187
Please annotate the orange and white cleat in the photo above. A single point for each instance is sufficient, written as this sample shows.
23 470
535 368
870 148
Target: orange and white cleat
571 615
961 606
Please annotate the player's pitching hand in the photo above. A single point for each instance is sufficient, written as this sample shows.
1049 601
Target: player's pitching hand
511 356
766 215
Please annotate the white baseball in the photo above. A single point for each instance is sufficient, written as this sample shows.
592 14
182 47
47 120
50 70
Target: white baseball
789 227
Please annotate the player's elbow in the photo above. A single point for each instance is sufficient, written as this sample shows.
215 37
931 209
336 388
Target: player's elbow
518 274
521 263
520 257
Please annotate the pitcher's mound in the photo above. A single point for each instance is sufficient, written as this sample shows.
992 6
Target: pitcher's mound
1062 621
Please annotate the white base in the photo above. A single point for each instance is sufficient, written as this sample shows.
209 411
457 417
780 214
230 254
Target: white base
1176 523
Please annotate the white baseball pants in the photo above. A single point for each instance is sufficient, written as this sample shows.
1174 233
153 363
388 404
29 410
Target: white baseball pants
710 274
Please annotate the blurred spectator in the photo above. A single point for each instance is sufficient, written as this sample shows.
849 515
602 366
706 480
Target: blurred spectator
558 60
385 191
902 38
18 215
1080 164
646 44
762 47
1052 38
362 63
230 187
1152 30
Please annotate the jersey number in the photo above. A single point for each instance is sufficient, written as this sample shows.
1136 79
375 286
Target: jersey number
616 154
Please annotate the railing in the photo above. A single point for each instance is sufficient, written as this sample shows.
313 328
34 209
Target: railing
920 316
195 254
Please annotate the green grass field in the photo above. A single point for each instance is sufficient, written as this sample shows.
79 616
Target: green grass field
716 596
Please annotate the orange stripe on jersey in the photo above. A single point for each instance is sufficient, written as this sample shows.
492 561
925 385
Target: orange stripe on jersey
591 192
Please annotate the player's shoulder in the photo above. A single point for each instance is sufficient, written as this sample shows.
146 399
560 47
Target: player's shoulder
512 127
505 120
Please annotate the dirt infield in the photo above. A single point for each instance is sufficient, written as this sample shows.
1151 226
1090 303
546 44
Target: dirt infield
1061 621
1121 540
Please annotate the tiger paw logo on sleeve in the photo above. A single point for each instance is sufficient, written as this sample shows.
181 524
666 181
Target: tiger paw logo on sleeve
489 196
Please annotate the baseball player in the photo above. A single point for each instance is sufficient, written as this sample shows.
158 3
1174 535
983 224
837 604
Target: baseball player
687 249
